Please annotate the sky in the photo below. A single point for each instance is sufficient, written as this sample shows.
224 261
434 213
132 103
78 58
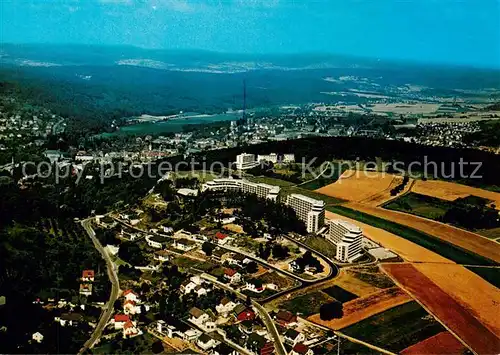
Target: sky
461 32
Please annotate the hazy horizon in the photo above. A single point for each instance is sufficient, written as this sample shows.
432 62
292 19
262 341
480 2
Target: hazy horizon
427 31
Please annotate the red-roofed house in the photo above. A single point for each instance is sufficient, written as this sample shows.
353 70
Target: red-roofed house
129 307
130 329
119 320
232 275
247 314
301 349
131 296
221 238
285 318
88 275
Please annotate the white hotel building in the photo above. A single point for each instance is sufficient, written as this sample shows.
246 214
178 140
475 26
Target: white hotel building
261 190
309 210
246 161
347 238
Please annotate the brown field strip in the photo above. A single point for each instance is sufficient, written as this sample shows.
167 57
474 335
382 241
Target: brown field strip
360 185
445 308
365 307
478 296
404 248
451 191
459 237
442 343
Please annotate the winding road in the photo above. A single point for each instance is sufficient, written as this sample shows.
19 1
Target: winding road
115 288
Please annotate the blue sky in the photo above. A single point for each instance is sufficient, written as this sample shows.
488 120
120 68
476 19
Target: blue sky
464 32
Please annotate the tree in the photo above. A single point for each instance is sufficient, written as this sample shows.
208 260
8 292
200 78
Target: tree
332 310
252 267
157 347
208 248
248 301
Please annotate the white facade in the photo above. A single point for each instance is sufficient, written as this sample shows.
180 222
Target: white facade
288 158
245 161
309 210
273 158
348 239
261 190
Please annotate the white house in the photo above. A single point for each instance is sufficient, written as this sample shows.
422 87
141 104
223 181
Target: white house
161 255
225 306
38 337
198 317
155 241
206 343
209 327
232 275
187 286
190 335
184 244
293 337
255 285
130 329
119 320
131 296
129 307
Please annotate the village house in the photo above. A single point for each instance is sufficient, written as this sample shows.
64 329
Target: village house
191 284
131 296
156 241
236 259
301 349
206 343
184 244
190 335
254 285
129 307
285 318
161 255
198 317
68 319
293 337
38 337
105 221
294 267
243 313
221 238
130 329
119 320
88 275
86 289
232 275
259 345
220 255
225 306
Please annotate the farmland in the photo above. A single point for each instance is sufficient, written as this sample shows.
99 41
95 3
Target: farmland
441 343
395 329
307 304
469 243
364 307
451 191
456 317
420 205
395 223
340 294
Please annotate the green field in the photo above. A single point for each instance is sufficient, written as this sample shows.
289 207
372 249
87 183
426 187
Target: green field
322 245
395 329
269 180
427 241
307 304
420 205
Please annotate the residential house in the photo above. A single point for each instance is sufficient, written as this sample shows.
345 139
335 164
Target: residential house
220 255
86 289
38 337
293 337
161 255
198 317
221 238
200 290
255 285
259 345
68 319
88 275
184 244
232 275
294 267
236 259
225 306
156 241
243 313
131 296
130 330
301 349
285 318
191 334
205 342
119 320
129 307
187 286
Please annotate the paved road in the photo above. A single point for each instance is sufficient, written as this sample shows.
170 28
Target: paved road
266 318
115 288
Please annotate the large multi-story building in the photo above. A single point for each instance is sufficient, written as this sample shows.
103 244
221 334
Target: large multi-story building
309 210
246 161
261 190
347 239
273 157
